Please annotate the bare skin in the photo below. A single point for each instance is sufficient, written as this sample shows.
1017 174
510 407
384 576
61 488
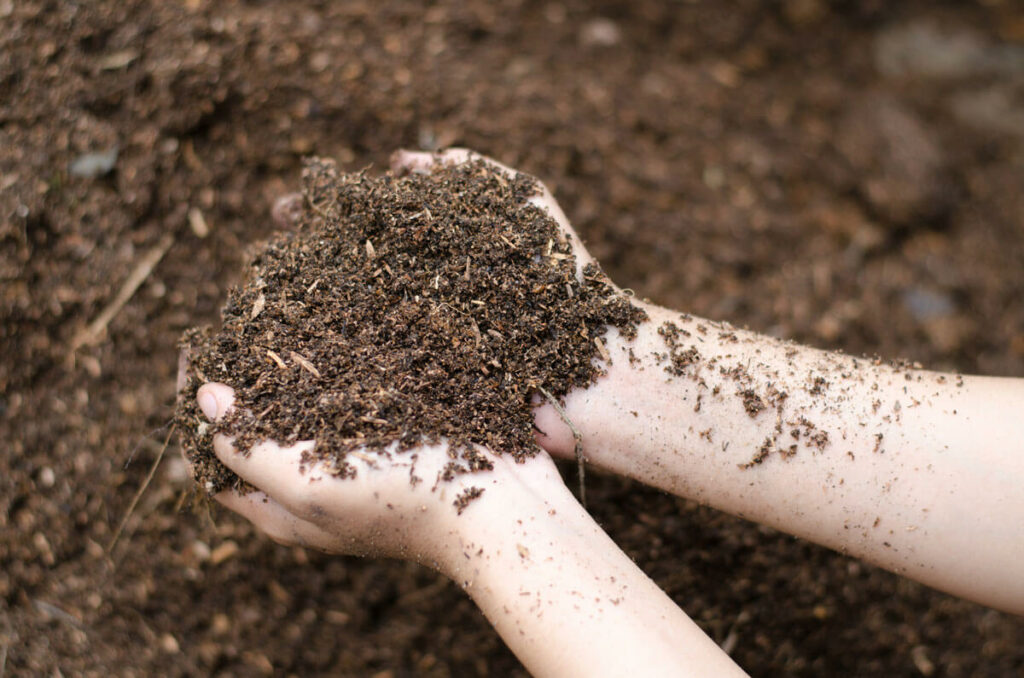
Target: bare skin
918 472
564 598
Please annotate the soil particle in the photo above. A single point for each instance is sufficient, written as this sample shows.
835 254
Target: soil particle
404 310
819 386
752 402
679 357
762 453
465 497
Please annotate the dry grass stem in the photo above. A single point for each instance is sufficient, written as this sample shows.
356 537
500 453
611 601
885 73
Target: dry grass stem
145 267
141 491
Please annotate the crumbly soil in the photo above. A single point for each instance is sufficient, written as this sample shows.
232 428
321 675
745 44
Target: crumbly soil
780 165
402 311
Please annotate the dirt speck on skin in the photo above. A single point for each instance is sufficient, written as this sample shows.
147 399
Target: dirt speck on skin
466 497
467 305
752 403
762 453
679 357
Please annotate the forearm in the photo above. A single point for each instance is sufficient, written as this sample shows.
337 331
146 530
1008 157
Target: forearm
915 471
564 598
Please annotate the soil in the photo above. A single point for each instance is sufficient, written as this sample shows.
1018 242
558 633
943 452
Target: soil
466 309
834 173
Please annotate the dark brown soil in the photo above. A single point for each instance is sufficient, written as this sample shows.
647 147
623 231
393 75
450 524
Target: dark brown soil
466 309
808 169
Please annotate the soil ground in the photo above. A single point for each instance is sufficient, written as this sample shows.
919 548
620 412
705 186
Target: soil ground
845 174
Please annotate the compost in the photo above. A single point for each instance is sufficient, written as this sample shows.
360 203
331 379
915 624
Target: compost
434 306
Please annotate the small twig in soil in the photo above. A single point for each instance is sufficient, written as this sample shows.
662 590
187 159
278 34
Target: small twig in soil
177 505
138 276
138 446
733 637
138 495
577 447
316 208
54 612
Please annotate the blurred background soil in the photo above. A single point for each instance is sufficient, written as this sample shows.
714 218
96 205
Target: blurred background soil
846 174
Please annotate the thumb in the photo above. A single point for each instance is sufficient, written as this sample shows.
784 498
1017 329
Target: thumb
215 399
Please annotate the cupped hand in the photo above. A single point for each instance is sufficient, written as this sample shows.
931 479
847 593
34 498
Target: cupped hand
553 434
416 161
382 510
396 505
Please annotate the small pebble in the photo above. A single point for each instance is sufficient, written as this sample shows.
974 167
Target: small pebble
220 624
169 644
91 165
200 551
47 477
925 304
600 32
223 552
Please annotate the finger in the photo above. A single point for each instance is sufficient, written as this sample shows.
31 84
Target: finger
411 161
287 210
215 399
457 156
552 433
274 520
278 471
421 161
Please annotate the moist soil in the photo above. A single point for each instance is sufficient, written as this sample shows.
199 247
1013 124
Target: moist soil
466 310
811 170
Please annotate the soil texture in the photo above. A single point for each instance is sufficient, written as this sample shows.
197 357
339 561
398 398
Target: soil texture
844 174
466 309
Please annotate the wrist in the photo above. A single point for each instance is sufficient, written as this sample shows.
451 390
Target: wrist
562 595
519 502
618 412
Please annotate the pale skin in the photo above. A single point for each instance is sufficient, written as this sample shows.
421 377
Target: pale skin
918 472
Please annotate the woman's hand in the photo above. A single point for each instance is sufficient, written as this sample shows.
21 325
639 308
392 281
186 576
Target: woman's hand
907 469
553 434
396 505
565 599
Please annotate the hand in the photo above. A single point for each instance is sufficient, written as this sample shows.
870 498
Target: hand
847 464
395 506
554 435
522 548
413 161
382 511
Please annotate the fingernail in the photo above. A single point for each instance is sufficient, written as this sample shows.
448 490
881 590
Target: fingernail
209 405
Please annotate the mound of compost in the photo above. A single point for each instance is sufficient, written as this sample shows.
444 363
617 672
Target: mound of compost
402 309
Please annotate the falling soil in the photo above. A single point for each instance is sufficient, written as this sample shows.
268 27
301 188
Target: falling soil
403 310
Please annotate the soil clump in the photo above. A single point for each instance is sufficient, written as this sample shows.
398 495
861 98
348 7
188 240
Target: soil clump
402 310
